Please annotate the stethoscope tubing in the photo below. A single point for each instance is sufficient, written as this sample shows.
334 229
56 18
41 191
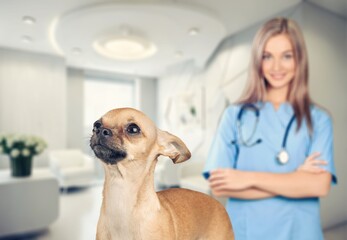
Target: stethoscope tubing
284 142
283 155
256 111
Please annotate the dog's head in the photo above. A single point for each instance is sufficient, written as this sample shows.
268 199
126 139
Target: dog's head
126 134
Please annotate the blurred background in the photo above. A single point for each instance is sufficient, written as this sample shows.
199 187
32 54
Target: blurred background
63 64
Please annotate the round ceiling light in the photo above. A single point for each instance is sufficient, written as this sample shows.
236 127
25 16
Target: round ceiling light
193 31
76 51
29 20
125 48
179 54
27 39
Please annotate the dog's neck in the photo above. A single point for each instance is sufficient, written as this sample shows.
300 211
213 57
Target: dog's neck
127 189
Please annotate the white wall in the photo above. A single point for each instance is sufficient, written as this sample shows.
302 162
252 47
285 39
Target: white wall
225 77
32 95
75 109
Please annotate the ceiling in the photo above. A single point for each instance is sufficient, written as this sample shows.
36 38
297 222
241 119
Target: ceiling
180 30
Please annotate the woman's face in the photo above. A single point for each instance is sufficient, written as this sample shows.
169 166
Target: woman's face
278 64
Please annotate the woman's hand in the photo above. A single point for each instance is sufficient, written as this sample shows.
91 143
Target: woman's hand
312 165
228 179
235 184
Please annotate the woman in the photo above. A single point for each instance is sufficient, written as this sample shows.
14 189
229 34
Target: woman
273 179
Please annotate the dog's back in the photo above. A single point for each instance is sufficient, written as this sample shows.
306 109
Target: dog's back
196 215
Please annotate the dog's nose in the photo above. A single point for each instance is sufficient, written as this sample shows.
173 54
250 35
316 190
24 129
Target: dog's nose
106 132
97 126
100 130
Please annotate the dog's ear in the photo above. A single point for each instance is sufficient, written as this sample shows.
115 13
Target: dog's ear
172 147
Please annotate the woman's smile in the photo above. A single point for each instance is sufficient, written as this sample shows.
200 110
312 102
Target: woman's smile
278 76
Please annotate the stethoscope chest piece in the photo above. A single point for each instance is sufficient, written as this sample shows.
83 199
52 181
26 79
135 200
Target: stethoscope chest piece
283 156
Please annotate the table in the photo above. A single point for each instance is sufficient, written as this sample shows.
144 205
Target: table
27 204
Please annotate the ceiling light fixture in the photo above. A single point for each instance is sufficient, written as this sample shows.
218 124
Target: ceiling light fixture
27 39
193 31
29 20
125 47
179 54
76 51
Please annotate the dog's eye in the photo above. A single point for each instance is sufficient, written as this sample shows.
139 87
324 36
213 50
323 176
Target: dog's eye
133 129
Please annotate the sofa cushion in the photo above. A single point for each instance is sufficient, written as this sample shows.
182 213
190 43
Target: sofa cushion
68 158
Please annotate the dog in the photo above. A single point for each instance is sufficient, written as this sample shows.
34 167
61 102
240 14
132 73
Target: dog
128 144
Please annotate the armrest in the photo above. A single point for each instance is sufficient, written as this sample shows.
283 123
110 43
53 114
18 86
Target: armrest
88 162
54 164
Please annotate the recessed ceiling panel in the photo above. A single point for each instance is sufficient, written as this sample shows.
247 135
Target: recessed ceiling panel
168 27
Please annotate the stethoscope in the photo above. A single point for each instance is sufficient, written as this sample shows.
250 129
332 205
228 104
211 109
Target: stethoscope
282 156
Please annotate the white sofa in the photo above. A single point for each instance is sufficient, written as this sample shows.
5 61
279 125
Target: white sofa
72 167
186 175
191 177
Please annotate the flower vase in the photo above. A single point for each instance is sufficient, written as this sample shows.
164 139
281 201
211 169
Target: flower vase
21 166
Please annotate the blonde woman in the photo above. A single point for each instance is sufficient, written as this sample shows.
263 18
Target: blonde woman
272 155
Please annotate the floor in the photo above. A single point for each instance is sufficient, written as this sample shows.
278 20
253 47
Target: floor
79 212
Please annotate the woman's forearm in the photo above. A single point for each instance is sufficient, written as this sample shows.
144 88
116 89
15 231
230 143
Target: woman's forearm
297 184
245 184
250 193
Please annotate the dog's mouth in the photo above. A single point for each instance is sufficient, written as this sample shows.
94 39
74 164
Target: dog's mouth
107 154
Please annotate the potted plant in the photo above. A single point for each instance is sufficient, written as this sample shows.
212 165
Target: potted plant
21 149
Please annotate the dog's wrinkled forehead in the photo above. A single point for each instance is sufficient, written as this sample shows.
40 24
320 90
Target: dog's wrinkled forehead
121 117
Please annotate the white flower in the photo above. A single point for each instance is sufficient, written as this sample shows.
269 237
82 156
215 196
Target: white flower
29 142
26 152
14 153
9 142
39 149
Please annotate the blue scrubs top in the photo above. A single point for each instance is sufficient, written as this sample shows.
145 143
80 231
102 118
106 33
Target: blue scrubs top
277 218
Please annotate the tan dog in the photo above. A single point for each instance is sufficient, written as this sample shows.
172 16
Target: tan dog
128 143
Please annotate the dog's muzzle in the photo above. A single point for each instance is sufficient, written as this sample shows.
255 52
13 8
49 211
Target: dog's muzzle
100 143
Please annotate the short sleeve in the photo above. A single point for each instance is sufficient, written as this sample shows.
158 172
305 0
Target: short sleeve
222 151
322 140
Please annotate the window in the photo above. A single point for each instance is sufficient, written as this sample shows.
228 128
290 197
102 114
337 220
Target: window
103 94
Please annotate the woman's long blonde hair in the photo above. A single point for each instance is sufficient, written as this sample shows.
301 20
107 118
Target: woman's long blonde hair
298 95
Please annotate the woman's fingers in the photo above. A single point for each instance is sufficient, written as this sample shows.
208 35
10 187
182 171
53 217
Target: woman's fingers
217 182
217 174
315 163
219 179
313 156
315 169
314 166
220 188
319 162
227 179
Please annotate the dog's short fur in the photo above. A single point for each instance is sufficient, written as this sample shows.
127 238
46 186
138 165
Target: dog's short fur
128 144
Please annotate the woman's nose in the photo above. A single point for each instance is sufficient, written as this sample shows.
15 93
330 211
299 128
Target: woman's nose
276 64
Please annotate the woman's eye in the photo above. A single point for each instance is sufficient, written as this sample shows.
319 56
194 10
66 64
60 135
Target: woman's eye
133 129
266 57
288 56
